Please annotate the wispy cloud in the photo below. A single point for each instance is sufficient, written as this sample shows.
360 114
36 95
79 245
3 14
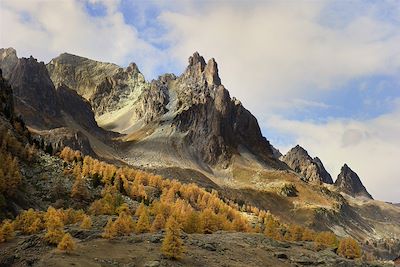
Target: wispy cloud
370 147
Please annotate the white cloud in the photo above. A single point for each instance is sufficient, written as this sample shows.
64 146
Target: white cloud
47 28
278 50
273 55
370 148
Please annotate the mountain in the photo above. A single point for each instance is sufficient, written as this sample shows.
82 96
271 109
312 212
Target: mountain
192 116
349 183
58 116
311 169
185 127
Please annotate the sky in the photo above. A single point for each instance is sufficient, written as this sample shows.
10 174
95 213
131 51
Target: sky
322 74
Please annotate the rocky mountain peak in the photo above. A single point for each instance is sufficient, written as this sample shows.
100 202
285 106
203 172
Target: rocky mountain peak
211 72
310 168
8 60
197 61
200 72
349 183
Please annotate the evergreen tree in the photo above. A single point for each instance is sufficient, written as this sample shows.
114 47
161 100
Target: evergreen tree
143 224
172 246
158 223
349 248
67 243
6 231
86 222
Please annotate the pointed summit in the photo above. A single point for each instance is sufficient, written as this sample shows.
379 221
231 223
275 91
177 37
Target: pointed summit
312 169
211 72
349 183
199 71
8 60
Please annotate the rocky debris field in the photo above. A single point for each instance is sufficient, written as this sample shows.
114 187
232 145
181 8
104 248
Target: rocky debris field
218 249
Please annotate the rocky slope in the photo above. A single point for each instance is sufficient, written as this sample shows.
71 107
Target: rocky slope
218 249
349 183
311 169
106 86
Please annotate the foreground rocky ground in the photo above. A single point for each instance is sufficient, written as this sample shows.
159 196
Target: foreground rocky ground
218 249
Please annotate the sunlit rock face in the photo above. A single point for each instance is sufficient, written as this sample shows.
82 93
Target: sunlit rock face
310 168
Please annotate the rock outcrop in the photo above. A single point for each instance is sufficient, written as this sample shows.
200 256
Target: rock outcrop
8 61
6 98
77 107
216 124
349 183
34 94
79 73
310 168
106 86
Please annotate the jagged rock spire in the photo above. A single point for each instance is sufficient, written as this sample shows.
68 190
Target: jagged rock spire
311 169
349 183
199 70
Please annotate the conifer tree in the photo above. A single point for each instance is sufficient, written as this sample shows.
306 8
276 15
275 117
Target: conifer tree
67 243
349 248
79 190
143 223
86 222
6 231
54 225
172 246
158 223
109 231
192 223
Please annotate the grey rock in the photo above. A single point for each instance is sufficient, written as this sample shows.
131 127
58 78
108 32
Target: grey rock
311 169
209 247
152 264
8 61
34 94
349 183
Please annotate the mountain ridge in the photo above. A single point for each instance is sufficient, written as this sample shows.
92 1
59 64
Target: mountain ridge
188 127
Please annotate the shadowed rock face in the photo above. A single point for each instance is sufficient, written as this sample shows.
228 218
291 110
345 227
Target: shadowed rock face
6 98
349 183
312 169
34 94
216 125
77 107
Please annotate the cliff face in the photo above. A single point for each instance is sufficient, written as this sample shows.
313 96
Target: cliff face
106 86
310 168
216 124
34 94
8 60
349 183
6 98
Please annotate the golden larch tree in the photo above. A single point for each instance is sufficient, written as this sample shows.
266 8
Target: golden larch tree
172 246
67 243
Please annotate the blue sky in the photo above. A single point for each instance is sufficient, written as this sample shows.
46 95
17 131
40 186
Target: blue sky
324 74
